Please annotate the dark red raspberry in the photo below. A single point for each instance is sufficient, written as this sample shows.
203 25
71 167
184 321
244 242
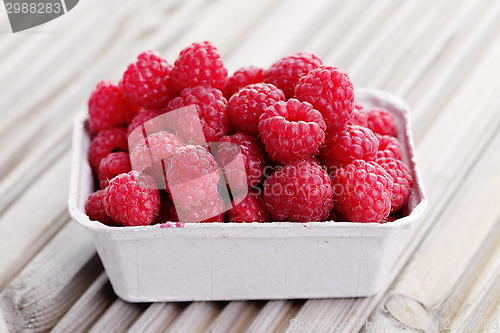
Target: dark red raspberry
300 191
251 209
247 105
106 142
199 64
151 150
132 199
211 212
113 165
242 78
351 143
381 122
389 146
243 159
109 108
286 72
141 118
211 107
359 116
152 155
291 130
363 191
402 178
145 82
167 212
193 176
330 91
94 208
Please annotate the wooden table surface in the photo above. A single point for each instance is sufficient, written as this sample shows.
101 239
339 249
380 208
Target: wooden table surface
442 57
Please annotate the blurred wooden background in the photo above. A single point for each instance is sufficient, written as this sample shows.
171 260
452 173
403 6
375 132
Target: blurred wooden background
441 56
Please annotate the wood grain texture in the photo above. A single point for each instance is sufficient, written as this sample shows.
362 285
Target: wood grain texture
441 56
47 287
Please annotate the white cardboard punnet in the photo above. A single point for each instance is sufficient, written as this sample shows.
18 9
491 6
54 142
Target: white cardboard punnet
234 261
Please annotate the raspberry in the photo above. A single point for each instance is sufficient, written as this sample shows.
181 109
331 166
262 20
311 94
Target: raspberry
291 130
246 106
152 154
301 191
154 148
94 208
251 209
193 176
352 143
106 142
242 78
330 91
359 116
108 107
381 122
402 178
253 160
286 72
389 146
199 64
167 211
213 210
132 199
141 118
363 191
145 82
211 107
113 165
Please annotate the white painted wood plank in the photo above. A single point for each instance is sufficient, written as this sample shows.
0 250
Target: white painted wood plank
157 317
118 317
33 219
88 308
36 299
196 317
275 316
235 317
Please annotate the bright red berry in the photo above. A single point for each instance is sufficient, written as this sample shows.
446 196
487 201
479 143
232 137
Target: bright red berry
363 191
113 165
193 176
141 118
248 104
389 146
359 116
152 155
291 130
381 122
403 181
250 209
351 143
243 159
330 91
94 208
109 108
132 199
106 142
145 82
242 78
199 64
301 191
286 72
211 107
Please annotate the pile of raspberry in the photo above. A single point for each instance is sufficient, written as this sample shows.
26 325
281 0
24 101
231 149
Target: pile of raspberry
289 143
